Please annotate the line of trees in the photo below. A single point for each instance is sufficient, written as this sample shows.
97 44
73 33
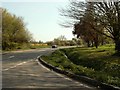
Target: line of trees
14 31
95 21
62 41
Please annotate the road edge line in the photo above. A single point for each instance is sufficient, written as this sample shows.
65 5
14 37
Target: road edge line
79 78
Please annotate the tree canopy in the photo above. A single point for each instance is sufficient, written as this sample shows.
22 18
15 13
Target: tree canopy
13 30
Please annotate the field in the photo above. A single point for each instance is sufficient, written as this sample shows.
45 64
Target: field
100 64
37 46
26 46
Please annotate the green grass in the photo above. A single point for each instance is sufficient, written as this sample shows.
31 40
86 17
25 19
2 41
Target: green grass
99 64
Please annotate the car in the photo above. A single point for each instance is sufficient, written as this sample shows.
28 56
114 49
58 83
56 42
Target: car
54 46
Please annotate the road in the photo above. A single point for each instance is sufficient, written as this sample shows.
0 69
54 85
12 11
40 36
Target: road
22 70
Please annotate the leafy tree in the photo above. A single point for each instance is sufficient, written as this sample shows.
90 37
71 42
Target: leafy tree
14 31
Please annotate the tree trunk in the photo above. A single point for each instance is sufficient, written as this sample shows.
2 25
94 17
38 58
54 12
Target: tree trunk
88 43
117 46
96 41
92 43
96 44
102 42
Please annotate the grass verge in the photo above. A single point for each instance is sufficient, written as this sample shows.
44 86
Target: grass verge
99 64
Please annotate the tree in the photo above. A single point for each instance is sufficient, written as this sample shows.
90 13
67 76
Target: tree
40 42
61 40
13 30
108 15
82 27
49 43
77 41
57 41
106 19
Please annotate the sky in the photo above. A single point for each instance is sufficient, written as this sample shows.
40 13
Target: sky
42 18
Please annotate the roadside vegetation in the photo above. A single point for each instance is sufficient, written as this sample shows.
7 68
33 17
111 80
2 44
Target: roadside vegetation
100 64
15 35
14 32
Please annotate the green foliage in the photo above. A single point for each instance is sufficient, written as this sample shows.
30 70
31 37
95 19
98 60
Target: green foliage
13 31
99 64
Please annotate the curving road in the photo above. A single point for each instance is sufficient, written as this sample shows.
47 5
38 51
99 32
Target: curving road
22 70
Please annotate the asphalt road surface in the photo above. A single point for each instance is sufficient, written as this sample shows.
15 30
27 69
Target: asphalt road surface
22 70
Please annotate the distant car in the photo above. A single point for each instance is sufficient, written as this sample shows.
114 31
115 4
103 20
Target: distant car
54 46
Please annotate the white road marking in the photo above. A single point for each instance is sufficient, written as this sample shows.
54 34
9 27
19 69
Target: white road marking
42 65
54 72
11 56
16 65
63 75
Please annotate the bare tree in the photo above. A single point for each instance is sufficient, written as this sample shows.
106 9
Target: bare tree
108 15
105 21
